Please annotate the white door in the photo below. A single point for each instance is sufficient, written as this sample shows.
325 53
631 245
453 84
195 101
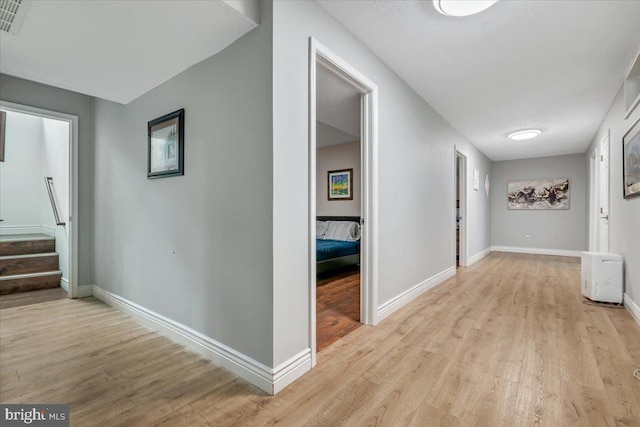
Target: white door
594 212
604 194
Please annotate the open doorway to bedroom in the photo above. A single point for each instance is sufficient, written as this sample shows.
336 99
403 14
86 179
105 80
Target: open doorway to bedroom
338 207
343 105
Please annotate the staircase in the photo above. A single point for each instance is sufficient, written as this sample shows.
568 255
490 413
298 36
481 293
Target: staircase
28 262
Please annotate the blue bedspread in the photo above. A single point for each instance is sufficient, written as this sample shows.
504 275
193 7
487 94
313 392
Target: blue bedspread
328 249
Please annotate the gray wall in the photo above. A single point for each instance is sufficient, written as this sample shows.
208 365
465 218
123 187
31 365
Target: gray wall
336 157
197 248
416 174
624 215
19 91
479 206
549 229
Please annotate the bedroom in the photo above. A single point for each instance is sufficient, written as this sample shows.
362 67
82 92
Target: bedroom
338 208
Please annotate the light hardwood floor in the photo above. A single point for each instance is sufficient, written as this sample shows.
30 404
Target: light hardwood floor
507 342
32 297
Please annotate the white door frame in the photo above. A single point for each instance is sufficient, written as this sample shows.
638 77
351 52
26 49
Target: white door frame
321 55
73 184
463 205
593 204
604 192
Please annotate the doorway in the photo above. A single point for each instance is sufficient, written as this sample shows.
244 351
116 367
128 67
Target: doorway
39 205
338 207
599 196
336 185
460 209
593 204
603 220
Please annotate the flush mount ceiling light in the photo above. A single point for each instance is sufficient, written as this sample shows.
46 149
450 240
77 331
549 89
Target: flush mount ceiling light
462 7
525 134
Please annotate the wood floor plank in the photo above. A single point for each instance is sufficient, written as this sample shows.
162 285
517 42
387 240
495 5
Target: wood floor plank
337 306
506 342
32 297
577 361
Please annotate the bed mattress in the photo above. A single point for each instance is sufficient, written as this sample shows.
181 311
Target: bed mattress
328 249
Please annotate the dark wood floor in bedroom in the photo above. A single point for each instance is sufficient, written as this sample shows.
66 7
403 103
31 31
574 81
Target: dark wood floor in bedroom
337 305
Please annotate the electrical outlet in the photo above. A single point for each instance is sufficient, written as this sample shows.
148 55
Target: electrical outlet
527 237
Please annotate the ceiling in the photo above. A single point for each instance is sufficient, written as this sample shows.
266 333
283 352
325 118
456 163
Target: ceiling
119 50
327 135
337 108
552 65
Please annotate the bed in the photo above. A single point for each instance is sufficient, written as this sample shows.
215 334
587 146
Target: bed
334 254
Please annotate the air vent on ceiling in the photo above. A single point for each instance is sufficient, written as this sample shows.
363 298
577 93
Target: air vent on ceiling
12 13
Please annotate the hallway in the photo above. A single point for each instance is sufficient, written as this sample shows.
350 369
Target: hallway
505 342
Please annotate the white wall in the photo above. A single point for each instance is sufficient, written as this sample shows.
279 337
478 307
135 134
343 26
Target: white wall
55 163
195 248
549 229
416 175
624 215
336 157
21 180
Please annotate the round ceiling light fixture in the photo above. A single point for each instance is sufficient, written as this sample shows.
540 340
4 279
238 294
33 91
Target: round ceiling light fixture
524 134
462 7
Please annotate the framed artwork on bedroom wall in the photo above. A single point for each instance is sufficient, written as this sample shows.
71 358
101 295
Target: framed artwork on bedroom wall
340 184
165 139
631 161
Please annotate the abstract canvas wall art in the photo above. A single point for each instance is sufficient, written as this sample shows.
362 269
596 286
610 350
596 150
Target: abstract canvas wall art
552 193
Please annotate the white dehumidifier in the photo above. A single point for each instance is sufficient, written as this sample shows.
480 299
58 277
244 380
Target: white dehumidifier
602 277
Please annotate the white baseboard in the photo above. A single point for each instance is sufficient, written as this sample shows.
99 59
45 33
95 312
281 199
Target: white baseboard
49 231
537 251
9 230
291 370
477 257
85 291
409 295
632 308
271 380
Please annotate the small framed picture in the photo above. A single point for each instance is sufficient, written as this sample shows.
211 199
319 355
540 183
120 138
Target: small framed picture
340 184
166 146
631 161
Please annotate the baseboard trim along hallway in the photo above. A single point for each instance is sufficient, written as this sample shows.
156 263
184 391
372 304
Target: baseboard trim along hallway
632 308
267 379
477 257
409 295
537 251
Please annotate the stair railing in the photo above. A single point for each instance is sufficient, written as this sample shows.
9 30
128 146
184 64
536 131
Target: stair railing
49 183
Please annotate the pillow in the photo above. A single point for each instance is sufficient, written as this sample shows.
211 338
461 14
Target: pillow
342 230
321 228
